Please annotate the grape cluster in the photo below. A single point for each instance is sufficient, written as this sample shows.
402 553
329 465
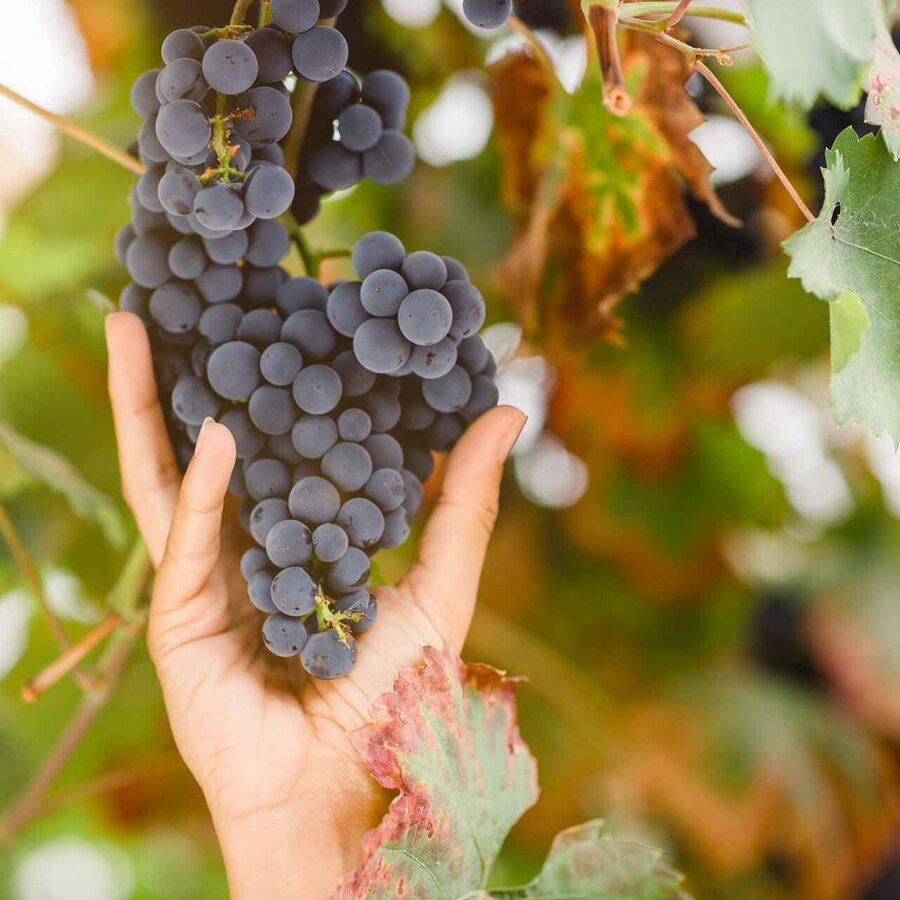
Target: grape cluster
487 13
355 132
336 396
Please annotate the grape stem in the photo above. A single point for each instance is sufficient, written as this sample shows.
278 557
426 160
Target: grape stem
668 11
69 659
86 681
95 142
239 12
741 116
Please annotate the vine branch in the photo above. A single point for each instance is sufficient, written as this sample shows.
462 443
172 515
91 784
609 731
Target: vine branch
25 564
239 13
741 116
677 14
101 145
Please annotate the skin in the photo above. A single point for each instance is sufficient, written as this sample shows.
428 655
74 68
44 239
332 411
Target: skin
269 746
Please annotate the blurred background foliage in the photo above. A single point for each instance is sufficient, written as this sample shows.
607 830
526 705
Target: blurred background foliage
696 571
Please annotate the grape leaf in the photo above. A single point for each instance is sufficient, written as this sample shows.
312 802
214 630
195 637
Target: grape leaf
815 47
850 255
58 474
447 739
600 197
584 865
883 85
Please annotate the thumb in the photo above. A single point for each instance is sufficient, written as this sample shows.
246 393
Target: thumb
444 580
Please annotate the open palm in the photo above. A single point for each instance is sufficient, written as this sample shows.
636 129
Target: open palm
268 745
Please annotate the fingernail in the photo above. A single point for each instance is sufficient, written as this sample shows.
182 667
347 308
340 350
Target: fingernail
203 429
509 439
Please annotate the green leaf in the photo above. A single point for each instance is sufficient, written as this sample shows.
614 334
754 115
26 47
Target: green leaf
854 246
57 473
585 865
447 739
883 105
815 47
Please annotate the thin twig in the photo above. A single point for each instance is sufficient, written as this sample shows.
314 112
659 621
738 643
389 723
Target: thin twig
101 145
692 53
29 802
29 571
307 254
666 9
240 11
677 14
741 116
69 659
514 23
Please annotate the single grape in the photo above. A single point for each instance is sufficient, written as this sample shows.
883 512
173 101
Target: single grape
360 127
148 189
363 521
175 308
450 392
435 361
135 299
382 292
183 128
187 259
425 317
147 260
348 466
253 561
227 250
310 332
456 271
417 415
356 379
219 284
182 79
424 270
314 436
320 53
334 167
233 370
143 94
419 461
150 148
330 542
289 543
380 346
193 402
260 327
487 13
385 451
280 363
230 67
396 529
268 191
473 355
124 236
295 16
218 207
294 592
273 53
247 437
335 95
266 116
386 489
314 500
468 308
384 410
377 250
387 92
265 516
280 446
284 635
485 396
344 309
182 44
445 432
317 389
272 410
391 160
266 478
350 572
326 656
269 243
259 589
301 293
354 425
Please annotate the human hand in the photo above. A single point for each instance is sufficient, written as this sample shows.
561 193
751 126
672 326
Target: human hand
269 746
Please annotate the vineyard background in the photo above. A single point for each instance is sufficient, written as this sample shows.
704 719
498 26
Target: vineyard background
694 568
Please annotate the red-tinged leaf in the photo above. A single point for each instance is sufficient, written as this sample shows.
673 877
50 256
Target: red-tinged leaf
447 740
883 105
585 865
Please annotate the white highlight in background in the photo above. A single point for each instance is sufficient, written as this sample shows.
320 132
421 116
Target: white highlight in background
70 868
15 611
412 13
457 125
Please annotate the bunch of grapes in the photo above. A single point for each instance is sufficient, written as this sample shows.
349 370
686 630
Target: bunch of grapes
336 395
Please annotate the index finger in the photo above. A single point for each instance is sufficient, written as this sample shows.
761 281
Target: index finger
150 475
